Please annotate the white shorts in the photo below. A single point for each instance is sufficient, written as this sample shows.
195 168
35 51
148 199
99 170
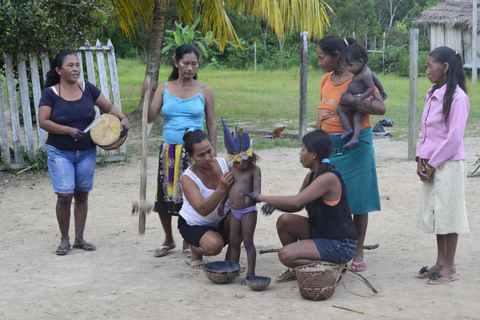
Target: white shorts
443 206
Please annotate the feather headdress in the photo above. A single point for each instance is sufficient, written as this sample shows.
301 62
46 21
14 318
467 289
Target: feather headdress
238 144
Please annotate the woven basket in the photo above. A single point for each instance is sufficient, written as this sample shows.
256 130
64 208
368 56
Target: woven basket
317 281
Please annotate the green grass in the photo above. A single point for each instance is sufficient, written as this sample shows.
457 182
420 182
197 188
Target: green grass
264 100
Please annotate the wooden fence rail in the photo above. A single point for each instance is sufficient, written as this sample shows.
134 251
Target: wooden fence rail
18 136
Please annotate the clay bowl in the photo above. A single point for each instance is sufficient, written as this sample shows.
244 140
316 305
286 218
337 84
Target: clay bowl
221 271
258 283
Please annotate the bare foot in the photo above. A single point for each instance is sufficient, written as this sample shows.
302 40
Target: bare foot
352 143
346 133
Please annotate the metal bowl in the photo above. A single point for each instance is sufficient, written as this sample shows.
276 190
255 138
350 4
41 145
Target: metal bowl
258 283
221 271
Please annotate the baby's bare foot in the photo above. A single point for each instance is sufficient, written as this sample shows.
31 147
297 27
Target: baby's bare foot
352 143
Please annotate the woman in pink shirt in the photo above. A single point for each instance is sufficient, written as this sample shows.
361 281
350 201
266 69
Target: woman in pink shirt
441 161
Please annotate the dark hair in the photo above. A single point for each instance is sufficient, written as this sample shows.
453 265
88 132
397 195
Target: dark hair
52 77
354 53
179 53
253 158
192 138
331 44
455 75
319 141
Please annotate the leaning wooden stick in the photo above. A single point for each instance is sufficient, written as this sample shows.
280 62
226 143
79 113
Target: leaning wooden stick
371 246
142 207
348 309
268 250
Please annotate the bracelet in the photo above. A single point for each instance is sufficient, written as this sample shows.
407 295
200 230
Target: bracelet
429 167
123 118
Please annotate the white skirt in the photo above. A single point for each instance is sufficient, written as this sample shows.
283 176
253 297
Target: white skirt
443 206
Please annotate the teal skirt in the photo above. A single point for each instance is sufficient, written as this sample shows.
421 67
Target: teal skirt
358 170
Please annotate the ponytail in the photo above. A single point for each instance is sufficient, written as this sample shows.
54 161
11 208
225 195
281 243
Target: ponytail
52 77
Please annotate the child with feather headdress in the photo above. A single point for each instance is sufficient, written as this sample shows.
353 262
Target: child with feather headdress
247 180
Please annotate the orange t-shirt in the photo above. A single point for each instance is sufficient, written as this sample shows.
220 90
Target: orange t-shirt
327 109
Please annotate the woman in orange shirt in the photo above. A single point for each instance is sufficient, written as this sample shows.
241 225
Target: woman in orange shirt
357 165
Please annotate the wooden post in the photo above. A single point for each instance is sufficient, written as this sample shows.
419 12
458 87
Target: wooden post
37 94
303 85
474 43
3 128
383 61
112 68
12 100
25 103
255 56
412 105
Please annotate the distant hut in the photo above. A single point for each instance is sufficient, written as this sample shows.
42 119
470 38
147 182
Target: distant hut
451 25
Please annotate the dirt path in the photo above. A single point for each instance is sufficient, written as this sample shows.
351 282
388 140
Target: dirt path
122 279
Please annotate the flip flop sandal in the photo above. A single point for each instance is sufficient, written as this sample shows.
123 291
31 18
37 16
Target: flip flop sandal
355 266
287 275
85 246
63 250
195 264
435 275
163 250
422 271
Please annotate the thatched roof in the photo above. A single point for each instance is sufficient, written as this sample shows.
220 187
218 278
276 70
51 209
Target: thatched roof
450 13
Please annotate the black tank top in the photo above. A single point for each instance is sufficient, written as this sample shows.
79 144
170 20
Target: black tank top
331 222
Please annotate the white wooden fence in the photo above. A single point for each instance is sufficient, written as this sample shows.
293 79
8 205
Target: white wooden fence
23 136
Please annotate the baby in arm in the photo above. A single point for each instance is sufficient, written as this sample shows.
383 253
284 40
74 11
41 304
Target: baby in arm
362 87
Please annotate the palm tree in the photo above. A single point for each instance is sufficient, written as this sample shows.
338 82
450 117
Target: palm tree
283 16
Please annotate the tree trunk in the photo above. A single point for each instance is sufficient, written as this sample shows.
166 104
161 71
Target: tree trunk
155 46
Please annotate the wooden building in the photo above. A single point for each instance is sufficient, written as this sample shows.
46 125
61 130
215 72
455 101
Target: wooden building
451 25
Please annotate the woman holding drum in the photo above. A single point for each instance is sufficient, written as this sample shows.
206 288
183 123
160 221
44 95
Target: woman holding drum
65 110
184 102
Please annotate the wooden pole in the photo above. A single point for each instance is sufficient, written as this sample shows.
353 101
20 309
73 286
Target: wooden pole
255 56
474 43
143 168
303 85
383 61
412 105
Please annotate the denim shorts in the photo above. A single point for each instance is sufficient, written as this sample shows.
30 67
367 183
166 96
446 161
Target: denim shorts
336 251
71 170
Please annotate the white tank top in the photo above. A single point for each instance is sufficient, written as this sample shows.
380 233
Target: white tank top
192 217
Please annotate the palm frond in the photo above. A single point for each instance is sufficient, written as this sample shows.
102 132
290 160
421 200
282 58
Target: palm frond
215 19
131 13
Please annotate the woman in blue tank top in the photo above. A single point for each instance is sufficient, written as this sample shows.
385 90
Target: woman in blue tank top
184 103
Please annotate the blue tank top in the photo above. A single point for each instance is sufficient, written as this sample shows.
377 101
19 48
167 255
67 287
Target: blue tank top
181 114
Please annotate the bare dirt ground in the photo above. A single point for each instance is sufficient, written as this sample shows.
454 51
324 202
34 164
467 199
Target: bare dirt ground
123 280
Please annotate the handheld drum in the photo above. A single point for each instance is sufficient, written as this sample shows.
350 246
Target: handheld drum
107 133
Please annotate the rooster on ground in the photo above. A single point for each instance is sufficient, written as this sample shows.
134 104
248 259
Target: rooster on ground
277 132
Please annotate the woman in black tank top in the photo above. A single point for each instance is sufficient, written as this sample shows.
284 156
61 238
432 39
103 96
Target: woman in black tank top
328 234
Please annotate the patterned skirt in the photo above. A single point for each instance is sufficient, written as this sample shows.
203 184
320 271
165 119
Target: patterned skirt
172 161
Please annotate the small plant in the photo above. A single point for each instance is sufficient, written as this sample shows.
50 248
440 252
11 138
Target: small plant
239 296
182 35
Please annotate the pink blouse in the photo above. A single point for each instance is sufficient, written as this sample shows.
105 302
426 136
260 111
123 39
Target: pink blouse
440 141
